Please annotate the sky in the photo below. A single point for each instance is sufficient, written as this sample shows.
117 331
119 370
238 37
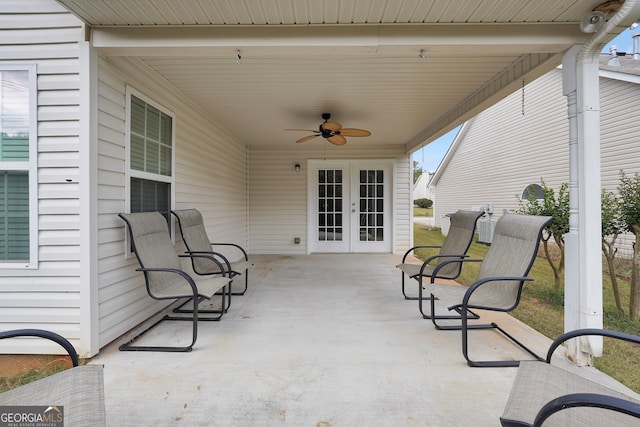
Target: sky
431 155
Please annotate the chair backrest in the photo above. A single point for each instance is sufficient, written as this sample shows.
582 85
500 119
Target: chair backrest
458 240
513 250
195 239
152 245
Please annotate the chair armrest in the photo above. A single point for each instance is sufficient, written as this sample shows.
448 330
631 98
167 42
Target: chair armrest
240 248
406 254
434 275
179 272
590 400
211 256
590 331
479 283
40 333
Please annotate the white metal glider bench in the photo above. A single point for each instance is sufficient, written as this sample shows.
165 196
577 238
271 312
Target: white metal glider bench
547 395
196 241
165 278
446 264
501 277
75 395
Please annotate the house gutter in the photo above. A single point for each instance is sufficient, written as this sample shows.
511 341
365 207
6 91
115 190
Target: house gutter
583 262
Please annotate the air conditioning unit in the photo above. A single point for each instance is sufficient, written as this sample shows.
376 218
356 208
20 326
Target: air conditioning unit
486 227
445 223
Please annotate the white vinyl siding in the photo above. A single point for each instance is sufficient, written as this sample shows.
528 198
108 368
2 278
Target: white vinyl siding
619 143
503 150
209 175
42 34
278 195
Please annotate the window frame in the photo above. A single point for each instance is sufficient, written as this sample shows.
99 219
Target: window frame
30 166
134 173
538 191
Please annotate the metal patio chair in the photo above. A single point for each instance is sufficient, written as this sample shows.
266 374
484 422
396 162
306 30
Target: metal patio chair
196 241
446 264
165 278
503 273
78 392
543 394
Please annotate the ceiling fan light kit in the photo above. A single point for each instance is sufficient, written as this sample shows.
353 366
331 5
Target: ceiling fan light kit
332 132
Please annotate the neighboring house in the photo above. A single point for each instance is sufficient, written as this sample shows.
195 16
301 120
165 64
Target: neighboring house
528 131
421 188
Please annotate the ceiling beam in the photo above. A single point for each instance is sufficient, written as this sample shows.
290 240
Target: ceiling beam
365 39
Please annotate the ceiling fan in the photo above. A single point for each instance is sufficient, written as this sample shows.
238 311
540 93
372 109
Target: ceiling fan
332 132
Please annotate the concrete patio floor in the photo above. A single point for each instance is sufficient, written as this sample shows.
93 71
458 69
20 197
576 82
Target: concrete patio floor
319 340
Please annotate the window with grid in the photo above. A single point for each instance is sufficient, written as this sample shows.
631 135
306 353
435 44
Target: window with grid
372 205
330 205
18 243
150 157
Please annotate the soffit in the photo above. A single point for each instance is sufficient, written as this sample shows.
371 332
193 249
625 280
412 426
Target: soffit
358 60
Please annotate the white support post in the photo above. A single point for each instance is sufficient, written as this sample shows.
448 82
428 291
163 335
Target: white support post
583 262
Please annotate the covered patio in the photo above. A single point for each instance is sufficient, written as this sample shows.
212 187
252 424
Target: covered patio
241 77
318 340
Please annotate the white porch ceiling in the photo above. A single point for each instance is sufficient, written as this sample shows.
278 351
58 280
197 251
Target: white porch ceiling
356 59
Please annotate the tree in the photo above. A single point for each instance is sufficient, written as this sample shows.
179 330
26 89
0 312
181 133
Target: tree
417 171
629 190
612 226
558 208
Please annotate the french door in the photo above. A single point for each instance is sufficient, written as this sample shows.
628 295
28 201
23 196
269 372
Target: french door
349 206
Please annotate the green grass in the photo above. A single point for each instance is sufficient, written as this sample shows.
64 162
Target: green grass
542 308
422 211
7 383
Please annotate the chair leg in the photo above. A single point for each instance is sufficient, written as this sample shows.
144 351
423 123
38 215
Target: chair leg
246 284
173 349
492 363
404 289
470 315
224 308
421 305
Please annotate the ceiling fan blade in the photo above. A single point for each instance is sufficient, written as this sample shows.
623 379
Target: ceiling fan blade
307 138
333 127
305 130
337 140
354 132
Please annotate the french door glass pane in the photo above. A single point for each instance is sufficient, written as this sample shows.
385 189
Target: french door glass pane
371 205
330 205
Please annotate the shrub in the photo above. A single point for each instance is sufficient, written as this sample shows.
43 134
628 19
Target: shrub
423 203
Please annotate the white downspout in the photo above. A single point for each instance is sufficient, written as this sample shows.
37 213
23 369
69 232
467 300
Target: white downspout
583 272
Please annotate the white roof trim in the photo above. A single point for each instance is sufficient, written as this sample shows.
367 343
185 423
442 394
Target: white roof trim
450 152
625 77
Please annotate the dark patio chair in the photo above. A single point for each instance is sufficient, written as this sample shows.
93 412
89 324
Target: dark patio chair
543 394
196 241
78 392
446 264
164 277
502 275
